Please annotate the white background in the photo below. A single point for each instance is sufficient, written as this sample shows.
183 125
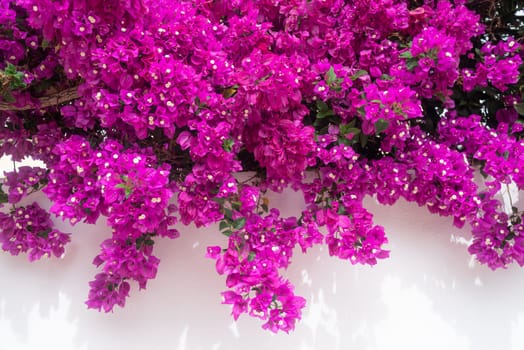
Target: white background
428 295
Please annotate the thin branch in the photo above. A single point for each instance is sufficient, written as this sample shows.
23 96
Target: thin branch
45 101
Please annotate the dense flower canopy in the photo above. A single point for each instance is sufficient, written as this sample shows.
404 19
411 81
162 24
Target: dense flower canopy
143 112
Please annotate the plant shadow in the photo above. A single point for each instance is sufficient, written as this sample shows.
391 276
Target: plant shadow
427 295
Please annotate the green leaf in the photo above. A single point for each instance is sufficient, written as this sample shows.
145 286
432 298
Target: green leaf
519 107
330 77
345 141
264 78
45 44
358 74
381 125
3 196
227 145
231 91
17 82
228 214
336 86
411 63
223 225
10 69
432 53
218 200
44 233
345 129
406 54
128 190
251 256
323 110
386 77
322 106
354 131
16 79
239 223
478 53
236 205
227 233
324 114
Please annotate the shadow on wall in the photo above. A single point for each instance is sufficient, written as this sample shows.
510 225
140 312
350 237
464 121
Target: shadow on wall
426 296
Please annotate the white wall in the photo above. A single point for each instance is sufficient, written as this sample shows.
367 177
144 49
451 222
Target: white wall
426 296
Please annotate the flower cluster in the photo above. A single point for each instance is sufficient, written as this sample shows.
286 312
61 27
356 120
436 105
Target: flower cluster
143 111
124 186
499 66
22 181
123 260
258 247
30 230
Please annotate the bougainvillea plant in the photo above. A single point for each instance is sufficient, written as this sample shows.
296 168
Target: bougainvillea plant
144 112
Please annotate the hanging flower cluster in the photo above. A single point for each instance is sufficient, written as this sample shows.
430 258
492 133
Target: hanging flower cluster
143 112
